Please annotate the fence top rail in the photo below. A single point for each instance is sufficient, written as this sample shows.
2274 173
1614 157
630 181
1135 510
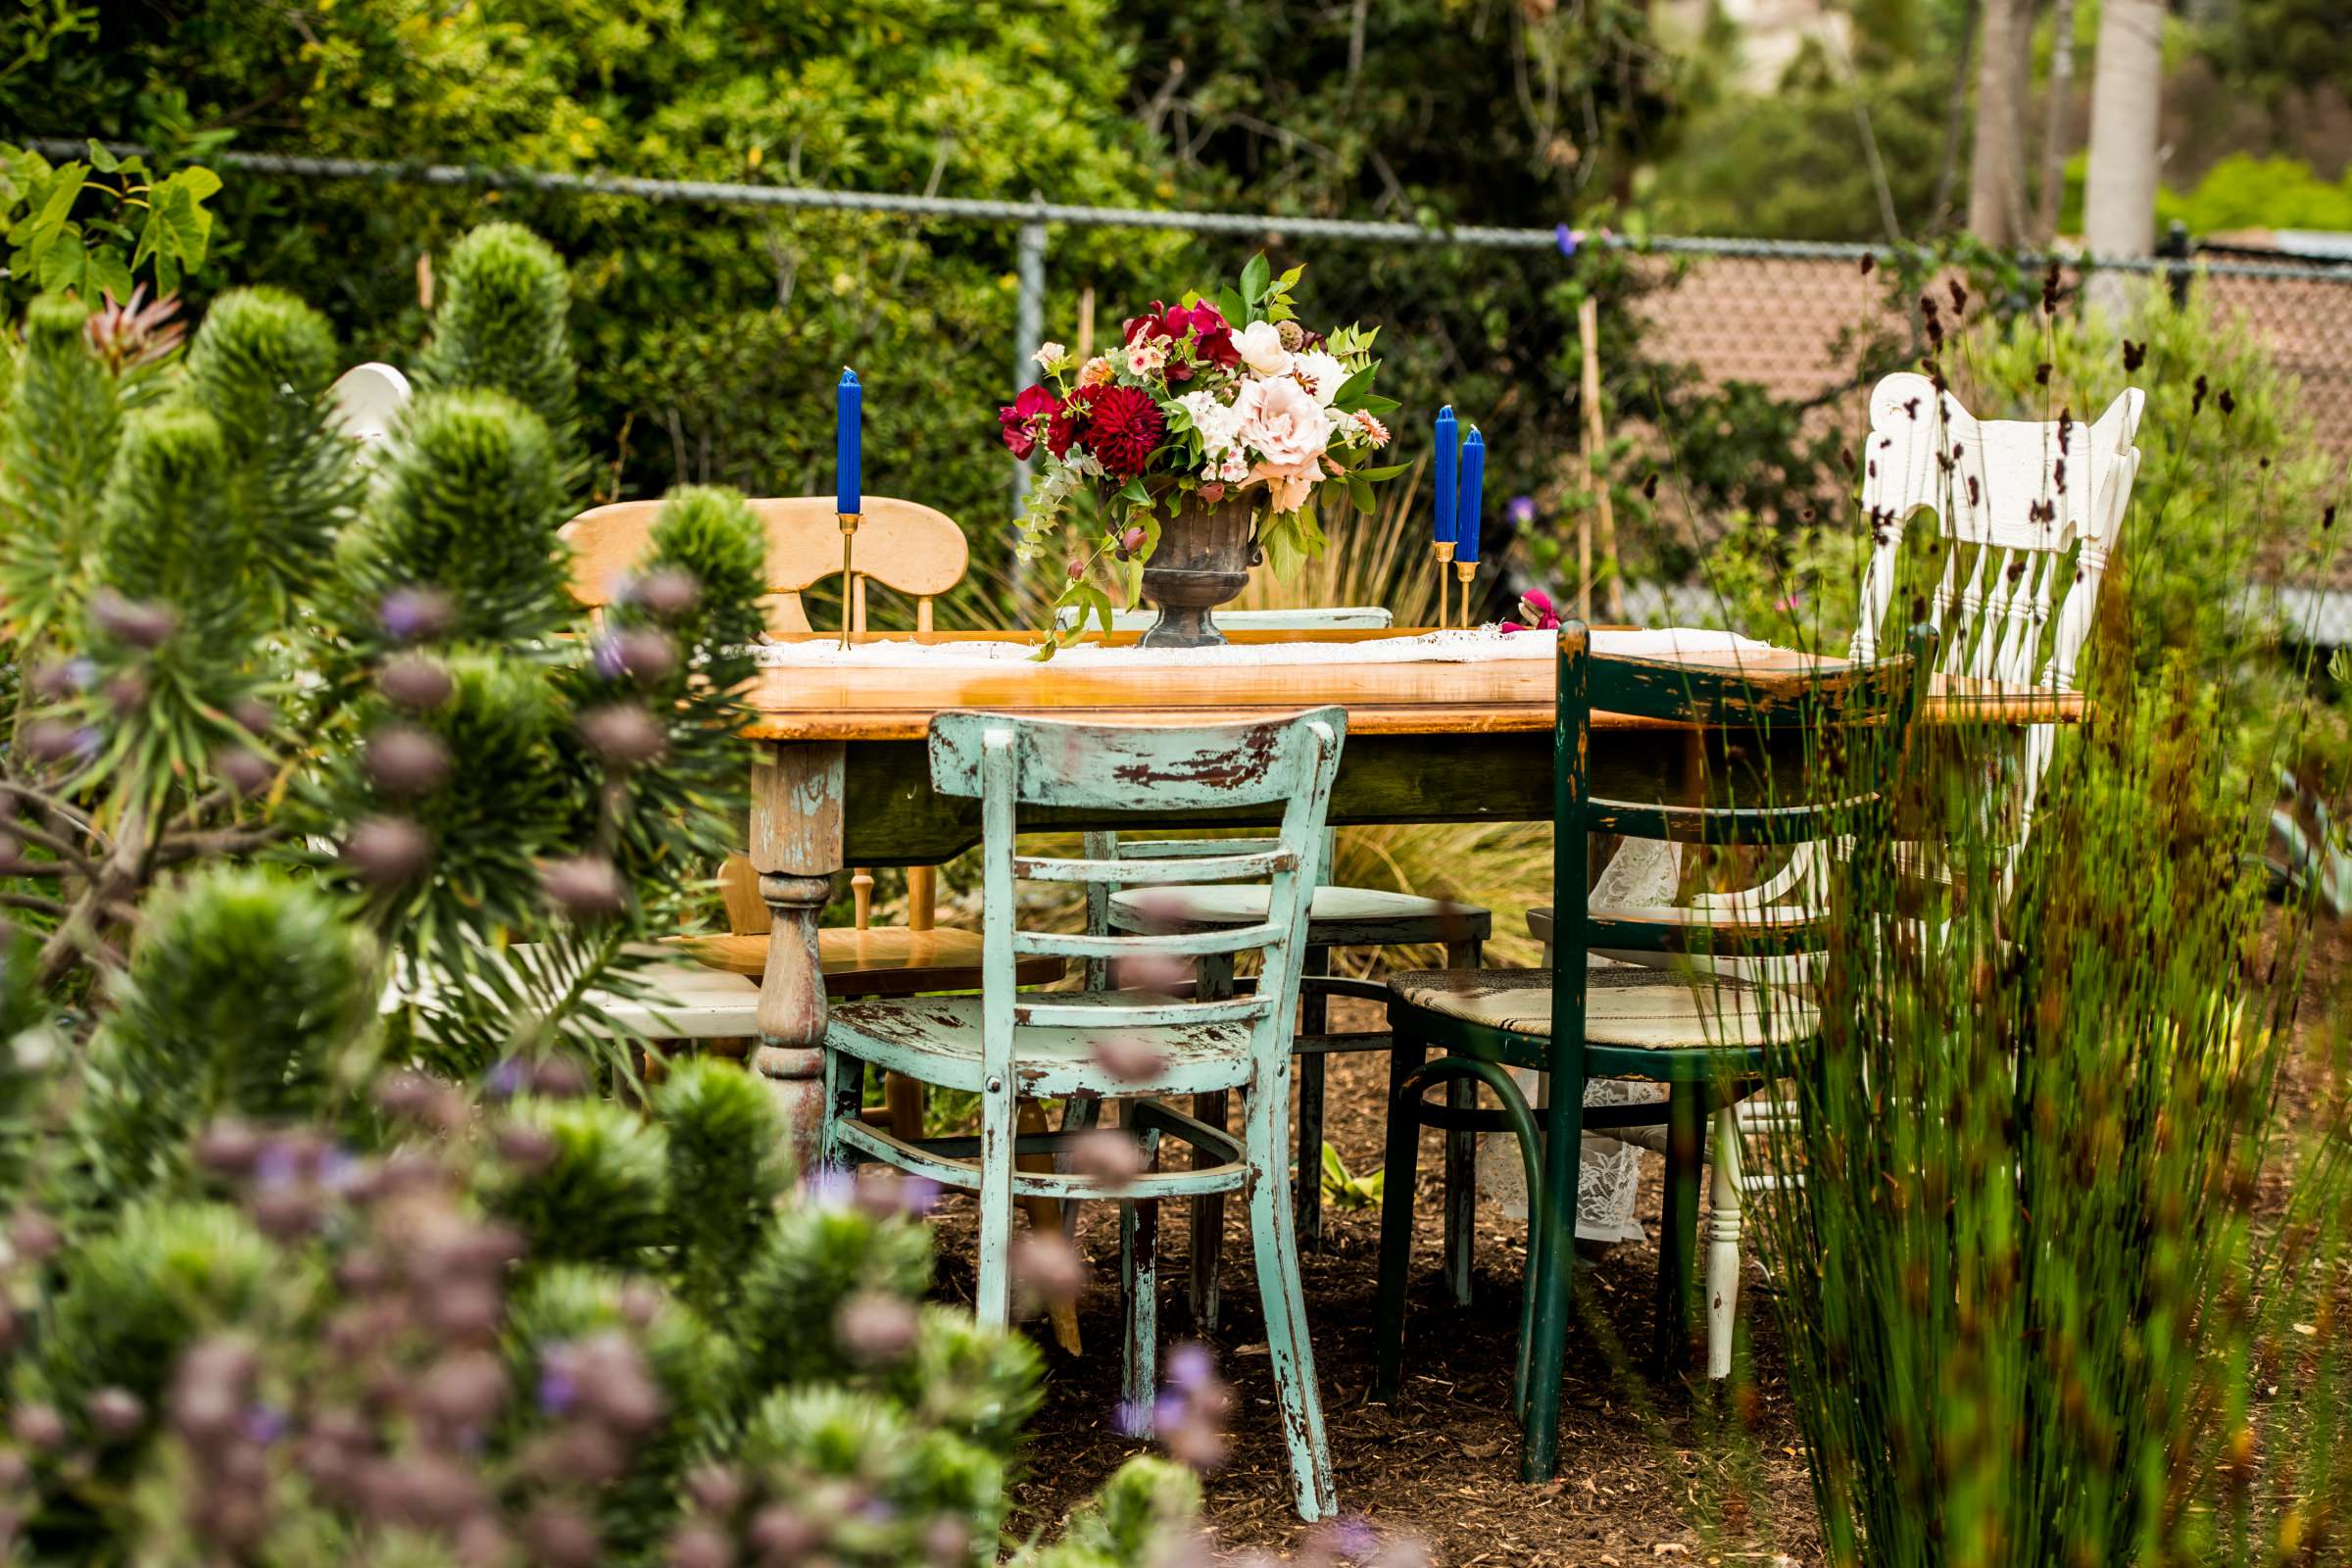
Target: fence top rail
724 193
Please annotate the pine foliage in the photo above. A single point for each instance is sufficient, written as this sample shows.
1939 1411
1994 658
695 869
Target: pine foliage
262 365
728 1169
249 996
503 326
466 515
594 1190
57 445
818 1257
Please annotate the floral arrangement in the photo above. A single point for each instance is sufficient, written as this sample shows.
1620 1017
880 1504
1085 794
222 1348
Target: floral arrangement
1216 397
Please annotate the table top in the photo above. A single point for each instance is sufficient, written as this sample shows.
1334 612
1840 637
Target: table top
1490 697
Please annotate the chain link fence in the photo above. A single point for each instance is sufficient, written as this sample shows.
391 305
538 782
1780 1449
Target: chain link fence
1784 317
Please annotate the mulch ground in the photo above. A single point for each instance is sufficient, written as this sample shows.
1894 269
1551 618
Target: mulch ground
1653 1469
1439 1468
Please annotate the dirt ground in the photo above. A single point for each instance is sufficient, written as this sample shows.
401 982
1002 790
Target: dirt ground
1652 1470
1441 1466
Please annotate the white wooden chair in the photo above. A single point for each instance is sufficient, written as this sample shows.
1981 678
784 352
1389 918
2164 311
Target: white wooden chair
2030 514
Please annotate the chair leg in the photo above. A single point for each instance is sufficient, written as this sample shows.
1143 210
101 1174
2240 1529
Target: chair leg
1461 1163
1215 980
1314 1017
844 1101
1403 1160
1284 1294
993 1302
1677 1225
906 1099
1552 1263
1139 1286
1078 1114
1722 1243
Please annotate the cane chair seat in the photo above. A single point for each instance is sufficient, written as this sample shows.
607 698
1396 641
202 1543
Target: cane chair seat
937 1039
1776 917
1634 1008
1341 917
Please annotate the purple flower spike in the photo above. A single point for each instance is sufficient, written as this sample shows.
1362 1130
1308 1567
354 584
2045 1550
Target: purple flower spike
507 1077
918 1196
276 1167
831 1187
1522 511
612 661
558 1393
266 1424
1191 1367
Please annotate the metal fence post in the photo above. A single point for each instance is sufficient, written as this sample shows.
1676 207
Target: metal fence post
2177 276
1028 329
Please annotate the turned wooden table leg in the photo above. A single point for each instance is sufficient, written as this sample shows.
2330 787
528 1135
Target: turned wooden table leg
796 847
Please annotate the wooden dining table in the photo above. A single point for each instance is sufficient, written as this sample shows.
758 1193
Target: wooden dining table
840 774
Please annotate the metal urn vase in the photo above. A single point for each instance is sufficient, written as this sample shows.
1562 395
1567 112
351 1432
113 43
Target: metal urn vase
1205 552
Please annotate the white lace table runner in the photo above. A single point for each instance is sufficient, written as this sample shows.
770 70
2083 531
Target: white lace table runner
1475 646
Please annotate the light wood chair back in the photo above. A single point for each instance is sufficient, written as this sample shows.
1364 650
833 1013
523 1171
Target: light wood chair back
907 546
904 546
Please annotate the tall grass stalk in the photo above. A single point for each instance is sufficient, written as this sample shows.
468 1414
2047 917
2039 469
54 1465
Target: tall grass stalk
2043 1288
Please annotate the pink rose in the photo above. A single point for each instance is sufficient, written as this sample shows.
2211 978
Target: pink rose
1288 484
1282 422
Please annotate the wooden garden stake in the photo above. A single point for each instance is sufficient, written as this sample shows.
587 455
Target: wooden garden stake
1587 327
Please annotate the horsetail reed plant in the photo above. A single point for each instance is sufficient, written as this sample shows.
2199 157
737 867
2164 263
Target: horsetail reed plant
2032 1279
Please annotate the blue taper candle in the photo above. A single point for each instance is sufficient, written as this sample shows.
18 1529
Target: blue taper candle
848 407
1474 484
1448 448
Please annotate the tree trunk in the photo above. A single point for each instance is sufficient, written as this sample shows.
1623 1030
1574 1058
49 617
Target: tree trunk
1996 166
2119 210
2056 113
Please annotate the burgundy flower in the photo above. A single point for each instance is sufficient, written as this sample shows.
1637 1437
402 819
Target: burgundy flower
1213 340
1158 322
1125 428
1069 421
1022 421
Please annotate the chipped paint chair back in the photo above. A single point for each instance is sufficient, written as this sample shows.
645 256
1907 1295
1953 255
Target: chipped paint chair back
1134 1045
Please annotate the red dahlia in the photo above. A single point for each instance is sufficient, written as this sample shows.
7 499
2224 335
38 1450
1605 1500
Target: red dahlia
1125 429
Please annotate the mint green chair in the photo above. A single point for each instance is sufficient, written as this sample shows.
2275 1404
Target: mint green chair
1704 1034
1005 1044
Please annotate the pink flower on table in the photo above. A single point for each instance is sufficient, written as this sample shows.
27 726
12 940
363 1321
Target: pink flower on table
1287 485
1282 422
1535 613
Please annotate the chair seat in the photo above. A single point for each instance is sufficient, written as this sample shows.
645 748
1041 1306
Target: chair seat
937 1039
1642 1010
882 961
1771 918
1342 917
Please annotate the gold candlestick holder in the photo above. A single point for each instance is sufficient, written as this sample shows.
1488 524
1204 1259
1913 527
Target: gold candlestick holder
849 569
1442 549
1465 573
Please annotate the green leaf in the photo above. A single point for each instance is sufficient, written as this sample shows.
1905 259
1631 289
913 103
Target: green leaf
1253 278
101 160
63 267
1359 492
197 181
110 273
1390 472
1353 387
1135 493
1229 305
1378 404
1135 582
47 210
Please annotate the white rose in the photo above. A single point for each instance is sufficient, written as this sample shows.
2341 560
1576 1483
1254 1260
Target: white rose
1047 353
1323 374
1260 346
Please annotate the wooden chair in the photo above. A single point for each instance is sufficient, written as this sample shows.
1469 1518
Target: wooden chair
2030 514
1007 1046
1703 1034
910 550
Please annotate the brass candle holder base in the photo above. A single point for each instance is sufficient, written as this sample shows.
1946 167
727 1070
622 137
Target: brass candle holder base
1443 550
848 569
1465 573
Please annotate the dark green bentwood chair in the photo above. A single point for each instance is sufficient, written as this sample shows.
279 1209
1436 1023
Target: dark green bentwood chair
1705 1035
